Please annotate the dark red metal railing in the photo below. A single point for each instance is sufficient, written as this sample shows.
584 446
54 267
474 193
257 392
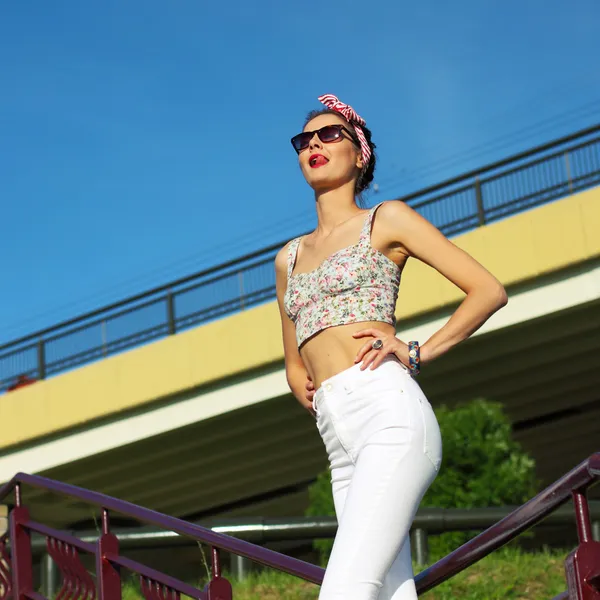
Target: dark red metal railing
582 566
154 585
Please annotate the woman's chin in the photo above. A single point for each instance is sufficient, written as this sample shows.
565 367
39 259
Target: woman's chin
325 183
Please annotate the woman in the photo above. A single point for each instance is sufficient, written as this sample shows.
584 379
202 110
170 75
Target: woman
337 289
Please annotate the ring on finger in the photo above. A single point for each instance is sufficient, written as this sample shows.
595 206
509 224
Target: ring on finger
377 345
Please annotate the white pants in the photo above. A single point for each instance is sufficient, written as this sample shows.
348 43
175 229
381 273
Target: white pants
385 449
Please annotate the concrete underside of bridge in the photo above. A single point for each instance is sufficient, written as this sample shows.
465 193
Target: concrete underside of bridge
258 459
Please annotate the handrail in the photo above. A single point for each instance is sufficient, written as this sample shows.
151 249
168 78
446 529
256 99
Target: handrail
480 196
143 295
427 521
264 556
583 565
574 483
503 162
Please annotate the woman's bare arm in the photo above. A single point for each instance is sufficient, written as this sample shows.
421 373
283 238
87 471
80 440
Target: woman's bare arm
296 373
420 239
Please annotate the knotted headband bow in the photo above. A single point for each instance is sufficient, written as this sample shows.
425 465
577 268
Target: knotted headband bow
332 102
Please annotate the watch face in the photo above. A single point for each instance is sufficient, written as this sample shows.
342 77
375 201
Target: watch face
412 353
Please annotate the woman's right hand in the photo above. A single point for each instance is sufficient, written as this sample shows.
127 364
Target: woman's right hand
309 395
310 389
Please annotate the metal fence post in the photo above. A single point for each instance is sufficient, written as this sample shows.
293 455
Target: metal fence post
41 359
240 566
218 588
241 280
582 566
49 576
104 338
568 166
108 577
582 516
479 203
421 546
20 541
172 327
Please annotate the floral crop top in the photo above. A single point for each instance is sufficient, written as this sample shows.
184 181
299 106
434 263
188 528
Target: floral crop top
356 283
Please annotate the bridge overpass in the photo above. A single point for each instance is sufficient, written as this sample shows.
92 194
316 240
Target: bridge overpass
197 421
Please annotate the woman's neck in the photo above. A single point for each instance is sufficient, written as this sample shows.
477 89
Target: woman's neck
334 207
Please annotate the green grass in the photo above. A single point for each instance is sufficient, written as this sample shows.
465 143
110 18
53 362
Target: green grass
508 574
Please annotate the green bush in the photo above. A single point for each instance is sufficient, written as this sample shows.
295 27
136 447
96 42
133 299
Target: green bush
321 505
482 466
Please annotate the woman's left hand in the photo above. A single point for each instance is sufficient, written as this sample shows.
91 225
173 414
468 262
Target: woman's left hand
372 357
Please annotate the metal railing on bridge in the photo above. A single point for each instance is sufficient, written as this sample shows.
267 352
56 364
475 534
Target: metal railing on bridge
16 567
517 183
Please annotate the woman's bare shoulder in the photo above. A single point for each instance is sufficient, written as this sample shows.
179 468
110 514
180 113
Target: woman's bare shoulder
281 258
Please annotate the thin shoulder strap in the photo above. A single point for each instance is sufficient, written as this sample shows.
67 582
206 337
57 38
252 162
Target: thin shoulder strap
365 234
292 254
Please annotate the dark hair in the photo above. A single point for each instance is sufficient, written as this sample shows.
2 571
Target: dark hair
368 171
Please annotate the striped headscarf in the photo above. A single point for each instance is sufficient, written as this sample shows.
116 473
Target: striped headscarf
332 102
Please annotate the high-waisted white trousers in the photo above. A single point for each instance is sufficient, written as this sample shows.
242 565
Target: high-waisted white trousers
385 449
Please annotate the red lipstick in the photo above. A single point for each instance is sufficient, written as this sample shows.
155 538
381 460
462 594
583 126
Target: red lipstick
317 160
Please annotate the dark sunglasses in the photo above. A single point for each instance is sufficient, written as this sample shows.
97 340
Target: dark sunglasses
327 134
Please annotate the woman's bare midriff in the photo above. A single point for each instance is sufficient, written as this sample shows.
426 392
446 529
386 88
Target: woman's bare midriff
333 350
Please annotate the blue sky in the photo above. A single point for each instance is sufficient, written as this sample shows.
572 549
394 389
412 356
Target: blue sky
141 141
